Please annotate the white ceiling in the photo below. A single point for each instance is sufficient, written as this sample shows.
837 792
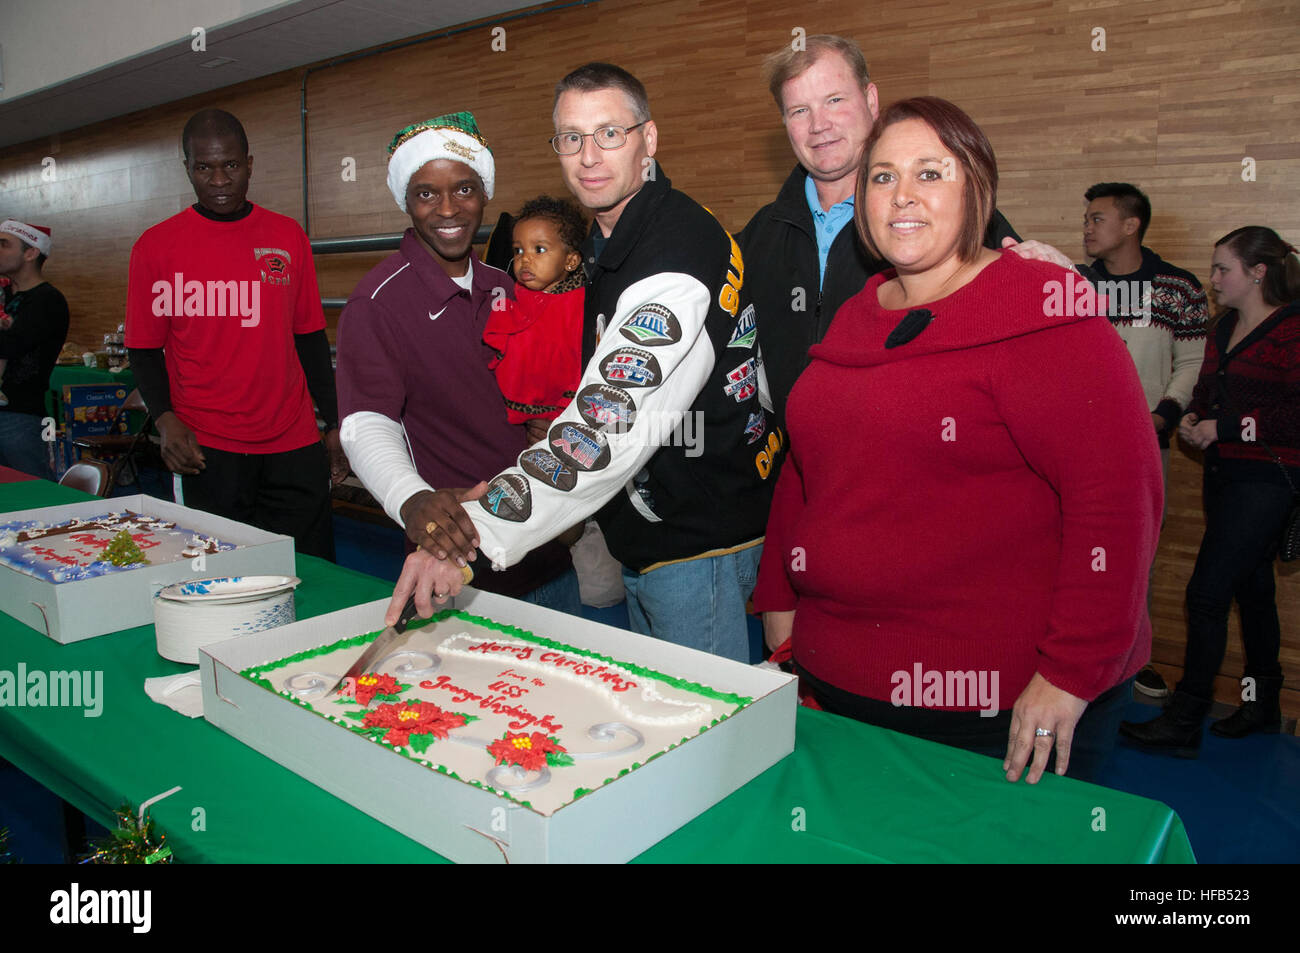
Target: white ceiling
282 37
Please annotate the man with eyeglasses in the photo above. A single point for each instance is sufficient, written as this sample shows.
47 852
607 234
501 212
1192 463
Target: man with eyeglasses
666 438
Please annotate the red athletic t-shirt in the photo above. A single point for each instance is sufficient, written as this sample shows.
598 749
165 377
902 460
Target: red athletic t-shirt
225 300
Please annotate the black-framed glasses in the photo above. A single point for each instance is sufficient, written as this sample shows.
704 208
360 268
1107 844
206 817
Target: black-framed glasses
607 137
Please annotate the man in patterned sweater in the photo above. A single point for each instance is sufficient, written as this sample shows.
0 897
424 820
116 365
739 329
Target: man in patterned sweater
1158 310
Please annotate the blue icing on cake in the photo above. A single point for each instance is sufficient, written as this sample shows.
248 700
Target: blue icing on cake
68 551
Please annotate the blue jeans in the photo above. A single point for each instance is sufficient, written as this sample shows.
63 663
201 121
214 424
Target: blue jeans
21 446
699 604
560 594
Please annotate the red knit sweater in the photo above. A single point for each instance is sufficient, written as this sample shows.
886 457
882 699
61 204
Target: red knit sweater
1262 379
985 497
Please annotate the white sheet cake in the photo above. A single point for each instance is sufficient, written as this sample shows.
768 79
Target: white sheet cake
536 721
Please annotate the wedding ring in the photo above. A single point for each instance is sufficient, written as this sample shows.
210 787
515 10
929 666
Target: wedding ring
430 526
1044 732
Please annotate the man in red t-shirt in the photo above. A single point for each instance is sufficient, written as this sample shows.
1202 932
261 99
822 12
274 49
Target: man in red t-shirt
227 340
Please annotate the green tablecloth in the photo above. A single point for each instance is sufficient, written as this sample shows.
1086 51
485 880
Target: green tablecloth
849 793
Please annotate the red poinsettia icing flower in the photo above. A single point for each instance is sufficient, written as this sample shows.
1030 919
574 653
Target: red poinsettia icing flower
372 684
412 718
529 751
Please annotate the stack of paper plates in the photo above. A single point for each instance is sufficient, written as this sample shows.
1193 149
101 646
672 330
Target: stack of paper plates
189 615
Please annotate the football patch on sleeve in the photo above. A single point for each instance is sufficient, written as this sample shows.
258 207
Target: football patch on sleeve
652 325
509 498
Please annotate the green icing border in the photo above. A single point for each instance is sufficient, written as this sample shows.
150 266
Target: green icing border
256 674
673 681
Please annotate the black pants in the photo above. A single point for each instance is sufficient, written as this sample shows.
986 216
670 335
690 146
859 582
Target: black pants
286 493
1243 524
1094 735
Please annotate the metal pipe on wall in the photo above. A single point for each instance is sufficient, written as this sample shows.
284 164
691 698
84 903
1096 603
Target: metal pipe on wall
361 243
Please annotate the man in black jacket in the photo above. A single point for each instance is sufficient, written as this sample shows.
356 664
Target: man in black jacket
802 254
666 437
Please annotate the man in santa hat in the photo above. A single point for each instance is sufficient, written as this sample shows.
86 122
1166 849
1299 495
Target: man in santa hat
37 318
421 412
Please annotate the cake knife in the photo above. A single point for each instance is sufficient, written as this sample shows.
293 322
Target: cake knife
378 648
385 639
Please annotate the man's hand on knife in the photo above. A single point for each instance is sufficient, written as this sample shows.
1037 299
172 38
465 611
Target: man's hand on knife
431 580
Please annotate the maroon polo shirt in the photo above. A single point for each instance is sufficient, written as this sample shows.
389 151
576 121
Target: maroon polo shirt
410 347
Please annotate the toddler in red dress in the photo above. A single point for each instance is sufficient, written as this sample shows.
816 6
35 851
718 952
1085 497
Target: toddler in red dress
538 341
538 336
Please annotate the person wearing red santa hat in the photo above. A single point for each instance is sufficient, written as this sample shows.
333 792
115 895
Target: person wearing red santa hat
37 326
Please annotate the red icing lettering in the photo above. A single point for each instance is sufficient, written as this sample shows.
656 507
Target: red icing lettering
492 647
514 691
458 695
547 725
588 670
523 718
53 556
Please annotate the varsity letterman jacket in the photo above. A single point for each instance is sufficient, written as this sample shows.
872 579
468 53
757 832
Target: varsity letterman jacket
666 438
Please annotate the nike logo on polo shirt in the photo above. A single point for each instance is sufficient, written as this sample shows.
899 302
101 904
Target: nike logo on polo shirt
435 317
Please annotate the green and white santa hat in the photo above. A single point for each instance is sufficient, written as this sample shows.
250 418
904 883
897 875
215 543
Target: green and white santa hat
454 136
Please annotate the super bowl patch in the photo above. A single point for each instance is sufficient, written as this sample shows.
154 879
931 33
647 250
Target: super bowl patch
547 468
652 325
742 381
606 408
630 367
746 332
579 446
508 497
756 426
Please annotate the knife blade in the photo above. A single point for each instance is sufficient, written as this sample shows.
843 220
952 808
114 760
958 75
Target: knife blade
379 647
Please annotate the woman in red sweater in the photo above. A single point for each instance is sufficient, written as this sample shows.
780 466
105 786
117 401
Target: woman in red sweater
960 538
1245 415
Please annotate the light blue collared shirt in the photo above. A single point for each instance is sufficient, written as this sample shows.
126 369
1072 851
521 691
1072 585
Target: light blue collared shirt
826 225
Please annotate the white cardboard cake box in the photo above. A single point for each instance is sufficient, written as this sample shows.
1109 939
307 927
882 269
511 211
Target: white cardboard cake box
85 608
468 824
